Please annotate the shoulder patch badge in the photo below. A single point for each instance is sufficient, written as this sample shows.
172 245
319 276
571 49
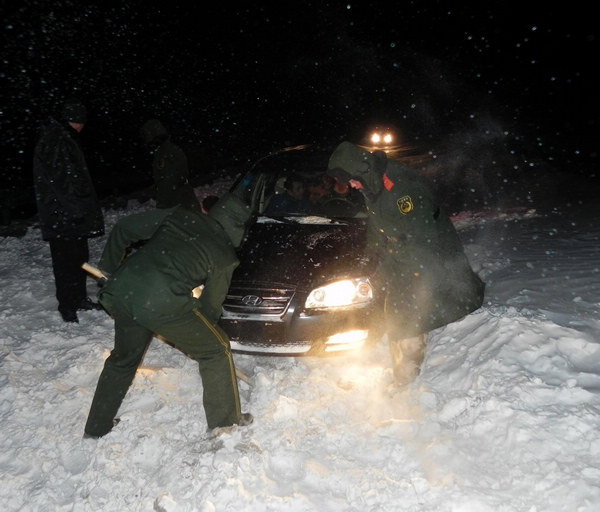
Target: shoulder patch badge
405 205
161 164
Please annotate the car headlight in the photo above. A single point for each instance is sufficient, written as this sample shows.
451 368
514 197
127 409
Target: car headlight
347 292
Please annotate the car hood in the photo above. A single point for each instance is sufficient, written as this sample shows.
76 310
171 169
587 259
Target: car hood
302 254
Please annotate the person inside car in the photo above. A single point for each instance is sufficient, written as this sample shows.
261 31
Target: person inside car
425 276
319 188
342 201
292 200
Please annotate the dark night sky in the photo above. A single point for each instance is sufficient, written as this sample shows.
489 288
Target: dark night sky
236 82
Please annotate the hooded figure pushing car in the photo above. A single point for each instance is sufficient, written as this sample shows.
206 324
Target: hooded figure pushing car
424 273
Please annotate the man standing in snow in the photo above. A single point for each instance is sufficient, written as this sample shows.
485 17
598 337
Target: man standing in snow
151 293
424 273
169 167
68 208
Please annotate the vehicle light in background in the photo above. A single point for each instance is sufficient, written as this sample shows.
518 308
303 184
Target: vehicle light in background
347 292
381 138
350 340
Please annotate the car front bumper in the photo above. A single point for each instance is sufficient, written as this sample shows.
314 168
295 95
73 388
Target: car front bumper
316 334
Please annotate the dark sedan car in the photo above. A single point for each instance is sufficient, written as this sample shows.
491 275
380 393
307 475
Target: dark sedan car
305 282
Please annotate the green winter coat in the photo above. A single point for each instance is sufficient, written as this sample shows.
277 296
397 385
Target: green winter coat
427 278
187 249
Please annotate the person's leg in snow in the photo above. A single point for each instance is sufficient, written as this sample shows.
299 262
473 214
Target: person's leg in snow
131 342
209 346
70 279
192 334
407 357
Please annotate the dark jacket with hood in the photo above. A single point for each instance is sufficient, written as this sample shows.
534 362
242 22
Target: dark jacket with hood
170 170
66 200
187 249
427 278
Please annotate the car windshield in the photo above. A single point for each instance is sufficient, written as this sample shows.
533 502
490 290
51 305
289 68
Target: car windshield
294 184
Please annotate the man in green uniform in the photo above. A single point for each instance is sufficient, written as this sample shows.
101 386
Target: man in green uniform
150 293
127 233
170 170
424 273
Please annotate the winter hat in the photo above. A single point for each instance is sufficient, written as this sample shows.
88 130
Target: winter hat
74 111
345 161
350 161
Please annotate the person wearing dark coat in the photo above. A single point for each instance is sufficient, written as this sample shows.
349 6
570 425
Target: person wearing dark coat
170 170
150 293
425 275
68 208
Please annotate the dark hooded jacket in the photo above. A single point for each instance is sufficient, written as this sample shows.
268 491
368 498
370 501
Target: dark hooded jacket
426 276
170 170
187 249
66 200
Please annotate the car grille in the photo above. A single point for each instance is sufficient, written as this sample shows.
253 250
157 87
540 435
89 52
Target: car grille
254 300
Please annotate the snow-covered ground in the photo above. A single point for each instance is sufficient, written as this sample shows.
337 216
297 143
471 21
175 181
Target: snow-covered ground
504 417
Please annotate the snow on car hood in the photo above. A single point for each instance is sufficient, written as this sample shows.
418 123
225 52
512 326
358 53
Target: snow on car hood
302 251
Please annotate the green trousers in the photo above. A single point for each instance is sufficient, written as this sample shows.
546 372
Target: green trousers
192 334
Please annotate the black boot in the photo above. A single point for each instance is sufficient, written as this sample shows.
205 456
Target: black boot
245 419
88 305
92 436
69 315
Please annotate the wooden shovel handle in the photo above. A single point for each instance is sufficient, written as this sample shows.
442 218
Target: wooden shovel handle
96 272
